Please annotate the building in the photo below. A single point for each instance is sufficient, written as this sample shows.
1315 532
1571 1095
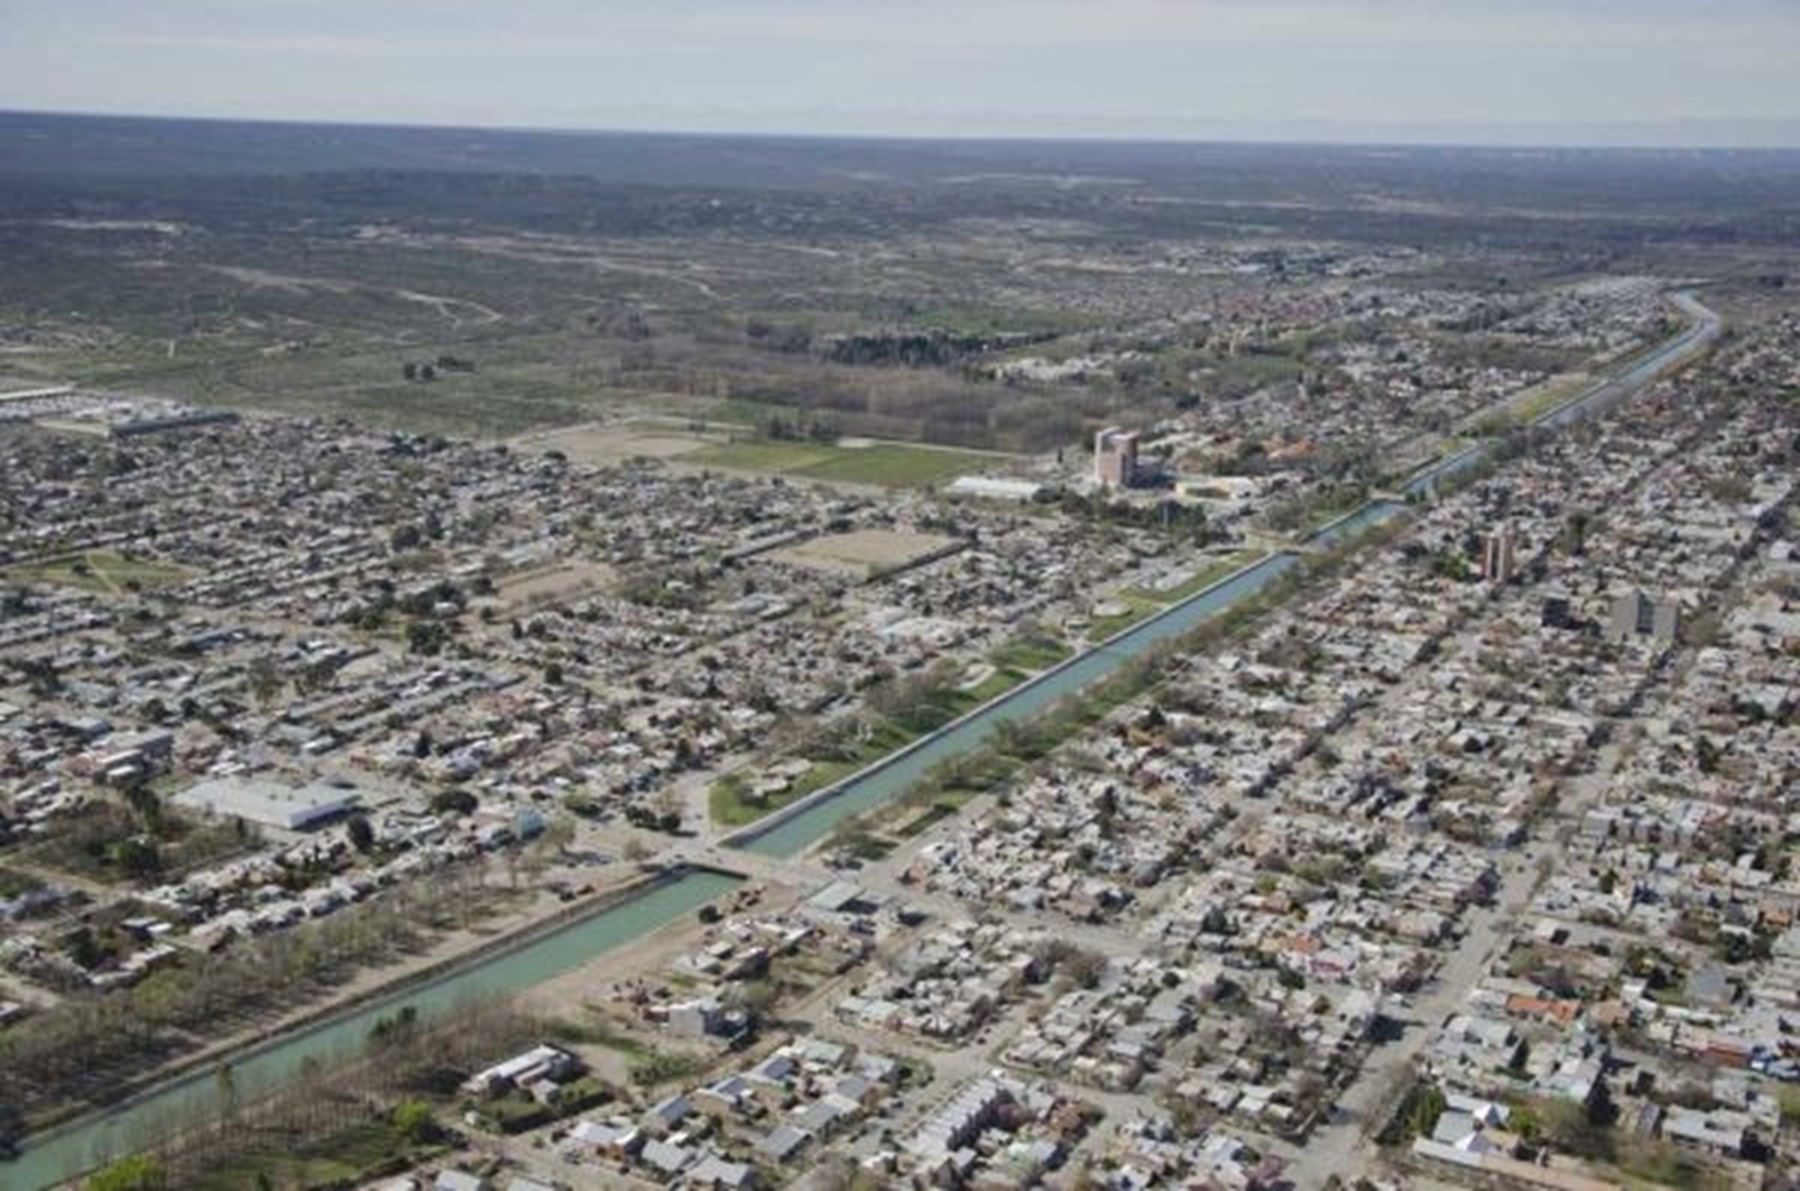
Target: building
996 488
537 1064
1116 457
1635 614
1498 563
269 803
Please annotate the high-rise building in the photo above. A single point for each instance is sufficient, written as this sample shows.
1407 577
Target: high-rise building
1635 614
1116 457
1497 556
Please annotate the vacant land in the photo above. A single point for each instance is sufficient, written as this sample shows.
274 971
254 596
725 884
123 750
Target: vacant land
602 446
865 552
1131 605
552 583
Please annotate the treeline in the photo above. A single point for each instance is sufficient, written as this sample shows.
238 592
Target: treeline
408 1059
932 347
921 349
90 1047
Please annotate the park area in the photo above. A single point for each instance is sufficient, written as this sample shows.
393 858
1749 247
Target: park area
101 571
849 461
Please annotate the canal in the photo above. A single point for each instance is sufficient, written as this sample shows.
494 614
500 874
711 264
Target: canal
792 830
89 1142
70 1150
789 832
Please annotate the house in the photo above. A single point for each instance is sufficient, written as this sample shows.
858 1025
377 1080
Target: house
697 1018
614 1140
535 1066
783 1143
663 1116
458 1180
1720 1133
730 1095
716 1174
1464 1132
667 1157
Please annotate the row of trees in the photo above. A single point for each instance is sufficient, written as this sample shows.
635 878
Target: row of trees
387 1084
88 1047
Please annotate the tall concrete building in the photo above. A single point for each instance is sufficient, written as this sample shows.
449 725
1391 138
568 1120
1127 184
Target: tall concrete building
1497 556
1116 457
1635 614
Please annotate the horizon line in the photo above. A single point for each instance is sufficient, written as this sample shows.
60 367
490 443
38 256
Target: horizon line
1431 134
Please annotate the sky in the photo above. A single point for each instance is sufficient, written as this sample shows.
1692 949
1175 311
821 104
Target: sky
1538 71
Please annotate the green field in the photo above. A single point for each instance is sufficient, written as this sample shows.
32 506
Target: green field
343 1159
101 571
890 465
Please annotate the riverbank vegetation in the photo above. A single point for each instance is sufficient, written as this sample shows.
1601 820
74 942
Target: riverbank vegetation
95 1047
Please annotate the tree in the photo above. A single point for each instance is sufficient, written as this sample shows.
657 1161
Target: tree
1573 1128
1427 1107
139 1172
137 858
457 801
666 805
755 999
264 677
426 637
413 1123
362 834
225 1083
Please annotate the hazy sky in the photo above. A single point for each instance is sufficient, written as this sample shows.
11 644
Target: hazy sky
1554 69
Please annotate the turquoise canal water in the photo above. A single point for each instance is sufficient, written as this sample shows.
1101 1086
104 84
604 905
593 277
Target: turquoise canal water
84 1145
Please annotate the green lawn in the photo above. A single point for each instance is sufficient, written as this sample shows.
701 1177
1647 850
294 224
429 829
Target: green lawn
1541 399
1031 653
892 465
102 571
761 455
350 1157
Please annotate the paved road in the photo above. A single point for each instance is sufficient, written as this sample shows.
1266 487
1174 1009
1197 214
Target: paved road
1343 1146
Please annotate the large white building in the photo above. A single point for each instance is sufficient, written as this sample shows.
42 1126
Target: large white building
269 803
